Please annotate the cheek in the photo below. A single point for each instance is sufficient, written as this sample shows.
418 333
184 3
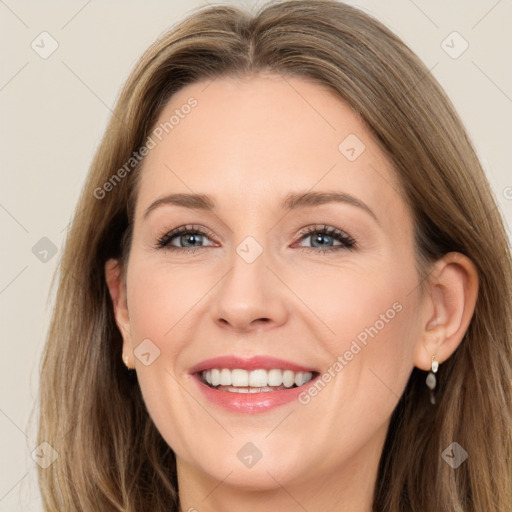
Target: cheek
366 321
158 305
159 298
349 303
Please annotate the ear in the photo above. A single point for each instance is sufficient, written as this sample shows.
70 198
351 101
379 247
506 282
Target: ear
448 307
117 289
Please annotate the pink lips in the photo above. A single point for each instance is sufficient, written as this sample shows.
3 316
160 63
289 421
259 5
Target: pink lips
251 403
248 363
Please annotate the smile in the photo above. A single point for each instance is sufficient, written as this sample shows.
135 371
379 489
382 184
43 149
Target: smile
239 380
252 385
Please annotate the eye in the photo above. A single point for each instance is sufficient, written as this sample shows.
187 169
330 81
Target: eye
188 239
322 237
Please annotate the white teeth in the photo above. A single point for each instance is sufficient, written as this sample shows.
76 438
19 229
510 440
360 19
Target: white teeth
233 389
302 377
306 377
275 377
288 378
245 380
258 378
215 377
239 378
225 377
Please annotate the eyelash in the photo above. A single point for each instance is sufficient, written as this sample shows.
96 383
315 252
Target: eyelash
346 240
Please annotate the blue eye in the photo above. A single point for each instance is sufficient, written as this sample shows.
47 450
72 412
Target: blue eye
190 239
327 235
184 235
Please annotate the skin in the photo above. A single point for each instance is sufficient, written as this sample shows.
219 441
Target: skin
248 143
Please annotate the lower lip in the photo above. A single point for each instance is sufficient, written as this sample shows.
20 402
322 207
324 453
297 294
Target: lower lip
250 403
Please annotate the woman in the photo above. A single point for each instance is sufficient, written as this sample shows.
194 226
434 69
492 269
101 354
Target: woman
287 285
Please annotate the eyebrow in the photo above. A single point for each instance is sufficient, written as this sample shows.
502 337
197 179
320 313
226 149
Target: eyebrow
292 201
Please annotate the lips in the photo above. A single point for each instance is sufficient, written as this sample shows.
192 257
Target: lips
249 363
251 384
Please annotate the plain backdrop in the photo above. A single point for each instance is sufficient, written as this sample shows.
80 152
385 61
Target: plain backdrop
54 109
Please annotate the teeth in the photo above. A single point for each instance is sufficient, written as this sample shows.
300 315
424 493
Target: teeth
275 377
288 378
239 378
233 389
301 378
215 377
256 379
225 377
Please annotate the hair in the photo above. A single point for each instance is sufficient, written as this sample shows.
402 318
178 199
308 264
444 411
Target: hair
111 456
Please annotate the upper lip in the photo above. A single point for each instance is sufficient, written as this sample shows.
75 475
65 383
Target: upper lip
249 363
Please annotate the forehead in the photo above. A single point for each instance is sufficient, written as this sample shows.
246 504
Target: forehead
251 141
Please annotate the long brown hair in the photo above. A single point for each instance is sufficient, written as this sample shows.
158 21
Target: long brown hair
111 457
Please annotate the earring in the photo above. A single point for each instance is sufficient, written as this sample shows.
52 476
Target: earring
431 380
125 361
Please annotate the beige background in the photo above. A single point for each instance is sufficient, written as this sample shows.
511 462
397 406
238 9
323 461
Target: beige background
53 112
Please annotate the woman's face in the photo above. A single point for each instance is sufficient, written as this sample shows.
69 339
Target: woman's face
300 265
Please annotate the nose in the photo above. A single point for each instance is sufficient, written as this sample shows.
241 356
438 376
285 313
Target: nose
250 297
